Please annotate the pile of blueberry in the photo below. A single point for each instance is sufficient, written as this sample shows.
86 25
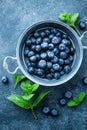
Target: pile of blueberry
49 53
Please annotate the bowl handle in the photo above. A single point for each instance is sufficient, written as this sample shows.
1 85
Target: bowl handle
5 65
84 47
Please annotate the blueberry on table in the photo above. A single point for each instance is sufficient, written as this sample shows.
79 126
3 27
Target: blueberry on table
47 32
84 80
82 25
62 47
38 40
33 58
68 94
49 64
56 40
63 55
62 101
51 46
42 34
36 34
46 110
54 112
67 69
50 55
56 75
46 40
5 80
31 53
31 70
61 61
28 42
42 64
56 51
43 55
38 48
55 59
44 45
56 67
54 30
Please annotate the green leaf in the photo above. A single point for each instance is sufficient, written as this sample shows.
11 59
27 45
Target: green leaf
18 78
73 19
19 101
72 103
28 97
81 96
39 98
34 87
64 17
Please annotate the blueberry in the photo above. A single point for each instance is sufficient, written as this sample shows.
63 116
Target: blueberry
54 112
36 34
46 40
33 47
67 69
56 76
63 55
52 70
56 51
56 67
42 34
26 52
55 59
30 53
33 64
38 56
28 42
51 36
51 46
33 40
31 70
50 55
40 72
38 48
46 110
64 36
67 62
47 32
72 50
66 42
62 47
48 76
28 64
62 102
43 55
49 64
54 30
68 94
58 34
33 58
38 40
61 72
82 25
42 64
44 45
61 61
71 58
67 50
84 80
5 80
56 40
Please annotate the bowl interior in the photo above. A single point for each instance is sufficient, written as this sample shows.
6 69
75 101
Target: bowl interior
75 40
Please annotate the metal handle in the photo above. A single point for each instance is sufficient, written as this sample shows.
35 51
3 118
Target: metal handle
84 47
5 65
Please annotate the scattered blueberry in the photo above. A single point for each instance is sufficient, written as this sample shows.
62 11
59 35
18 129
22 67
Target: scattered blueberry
82 25
5 80
68 94
46 110
62 102
84 80
54 112
42 64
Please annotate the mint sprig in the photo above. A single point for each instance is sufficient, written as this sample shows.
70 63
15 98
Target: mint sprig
70 20
26 101
77 100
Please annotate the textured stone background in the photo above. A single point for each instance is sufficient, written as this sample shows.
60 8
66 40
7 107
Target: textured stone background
15 16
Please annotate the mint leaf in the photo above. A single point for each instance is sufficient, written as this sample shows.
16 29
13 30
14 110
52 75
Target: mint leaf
72 103
34 87
73 19
39 98
81 96
28 97
18 78
19 101
64 17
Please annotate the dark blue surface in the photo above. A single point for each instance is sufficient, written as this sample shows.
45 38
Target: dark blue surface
15 16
